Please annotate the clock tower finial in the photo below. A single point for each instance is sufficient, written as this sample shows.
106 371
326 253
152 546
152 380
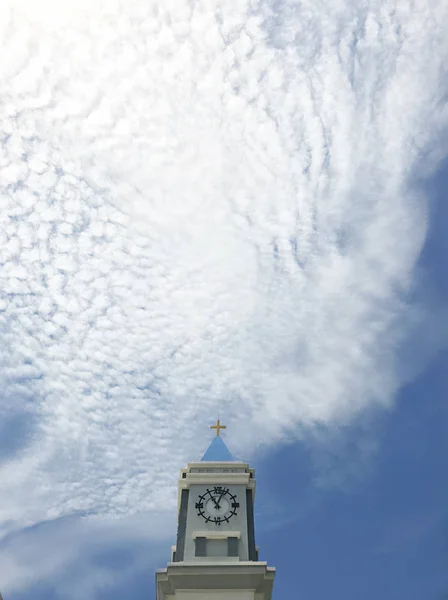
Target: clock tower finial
218 427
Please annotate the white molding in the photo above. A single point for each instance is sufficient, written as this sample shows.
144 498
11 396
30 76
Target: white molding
215 478
216 535
218 464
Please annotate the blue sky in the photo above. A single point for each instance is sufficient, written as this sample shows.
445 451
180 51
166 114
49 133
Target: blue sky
234 207
386 535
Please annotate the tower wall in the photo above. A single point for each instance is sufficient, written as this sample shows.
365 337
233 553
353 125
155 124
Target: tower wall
196 525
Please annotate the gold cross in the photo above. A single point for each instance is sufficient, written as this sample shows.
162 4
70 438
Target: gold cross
218 426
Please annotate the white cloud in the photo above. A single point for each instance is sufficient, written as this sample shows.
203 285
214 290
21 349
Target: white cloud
203 206
60 551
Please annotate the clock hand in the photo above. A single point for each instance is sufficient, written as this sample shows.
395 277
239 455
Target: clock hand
214 501
220 498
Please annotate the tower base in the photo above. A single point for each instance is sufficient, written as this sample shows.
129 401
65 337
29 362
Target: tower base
209 581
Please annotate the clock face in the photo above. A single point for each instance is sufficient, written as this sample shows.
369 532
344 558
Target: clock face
217 505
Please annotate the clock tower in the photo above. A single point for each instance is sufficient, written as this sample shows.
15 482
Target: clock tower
215 556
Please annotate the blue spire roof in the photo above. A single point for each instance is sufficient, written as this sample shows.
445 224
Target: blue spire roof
218 451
